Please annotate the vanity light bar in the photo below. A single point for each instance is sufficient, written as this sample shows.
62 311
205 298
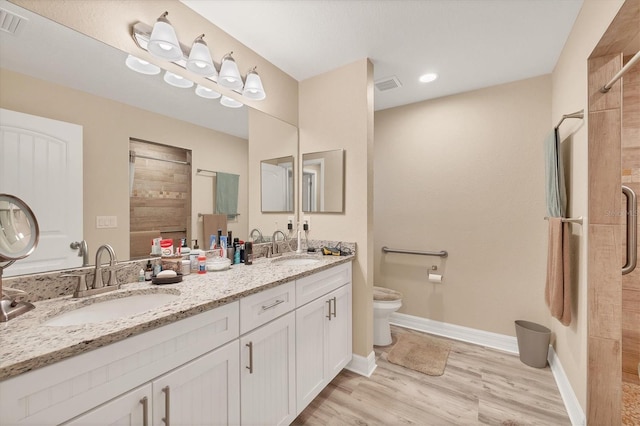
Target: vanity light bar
141 35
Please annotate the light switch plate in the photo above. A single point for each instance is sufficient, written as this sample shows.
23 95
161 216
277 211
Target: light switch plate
105 222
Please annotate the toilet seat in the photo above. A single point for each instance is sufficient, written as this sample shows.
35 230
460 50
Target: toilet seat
381 294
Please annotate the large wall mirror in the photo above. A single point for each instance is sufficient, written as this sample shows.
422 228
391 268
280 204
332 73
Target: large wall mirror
323 182
276 185
70 77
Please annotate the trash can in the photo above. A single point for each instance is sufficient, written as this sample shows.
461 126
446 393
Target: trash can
533 343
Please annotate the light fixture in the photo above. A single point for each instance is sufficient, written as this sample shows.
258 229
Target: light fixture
229 76
199 61
253 86
428 78
177 80
141 66
230 102
163 41
205 92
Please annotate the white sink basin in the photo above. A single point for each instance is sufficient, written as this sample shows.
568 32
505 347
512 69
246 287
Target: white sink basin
296 261
112 309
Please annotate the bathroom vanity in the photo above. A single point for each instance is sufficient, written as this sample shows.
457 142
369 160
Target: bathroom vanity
254 344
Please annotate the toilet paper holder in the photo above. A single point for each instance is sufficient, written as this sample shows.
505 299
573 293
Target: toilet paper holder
433 276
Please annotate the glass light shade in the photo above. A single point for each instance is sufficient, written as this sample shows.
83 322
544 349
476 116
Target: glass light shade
141 66
199 61
177 80
205 92
230 102
253 87
163 42
229 75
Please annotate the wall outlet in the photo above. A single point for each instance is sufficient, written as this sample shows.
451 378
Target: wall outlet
105 222
306 220
291 219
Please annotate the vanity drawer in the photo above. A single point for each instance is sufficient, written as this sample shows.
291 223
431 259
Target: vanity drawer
316 285
260 308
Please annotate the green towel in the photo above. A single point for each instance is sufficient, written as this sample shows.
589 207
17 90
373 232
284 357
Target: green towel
227 193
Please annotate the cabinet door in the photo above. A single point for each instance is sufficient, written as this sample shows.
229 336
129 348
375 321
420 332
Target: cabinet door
132 408
339 331
205 391
267 373
311 350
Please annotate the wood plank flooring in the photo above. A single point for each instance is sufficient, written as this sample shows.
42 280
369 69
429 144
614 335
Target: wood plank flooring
479 386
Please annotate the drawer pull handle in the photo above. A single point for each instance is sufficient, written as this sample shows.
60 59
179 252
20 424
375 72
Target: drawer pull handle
250 367
335 309
273 305
329 303
167 403
145 411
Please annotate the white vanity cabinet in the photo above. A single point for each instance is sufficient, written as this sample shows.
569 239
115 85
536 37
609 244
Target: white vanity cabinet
130 409
323 331
267 364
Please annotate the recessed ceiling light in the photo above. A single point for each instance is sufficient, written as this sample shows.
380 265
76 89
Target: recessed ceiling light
428 78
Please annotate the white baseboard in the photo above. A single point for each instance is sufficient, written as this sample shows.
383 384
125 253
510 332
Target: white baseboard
574 410
456 332
500 342
364 366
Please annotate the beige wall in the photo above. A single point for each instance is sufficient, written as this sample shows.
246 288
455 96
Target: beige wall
269 138
336 112
107 126
569 94
110 22
465 174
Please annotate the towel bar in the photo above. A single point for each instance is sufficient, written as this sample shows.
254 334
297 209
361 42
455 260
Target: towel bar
442 253
569 219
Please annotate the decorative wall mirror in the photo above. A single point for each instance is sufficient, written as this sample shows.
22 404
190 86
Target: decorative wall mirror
323 182
276 181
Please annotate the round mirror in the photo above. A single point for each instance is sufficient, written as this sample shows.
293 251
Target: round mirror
18 229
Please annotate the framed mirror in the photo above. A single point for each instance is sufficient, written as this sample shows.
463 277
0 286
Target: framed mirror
276 185
323 182
18 229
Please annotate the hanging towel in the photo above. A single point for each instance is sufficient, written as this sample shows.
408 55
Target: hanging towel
557 292
227 193
554 174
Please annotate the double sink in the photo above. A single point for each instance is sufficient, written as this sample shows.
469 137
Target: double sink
106 308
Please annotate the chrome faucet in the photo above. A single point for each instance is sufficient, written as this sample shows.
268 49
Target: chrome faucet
97 278
256 240
274 243
98 286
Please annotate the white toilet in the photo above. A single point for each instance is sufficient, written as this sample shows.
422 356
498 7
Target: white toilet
385 302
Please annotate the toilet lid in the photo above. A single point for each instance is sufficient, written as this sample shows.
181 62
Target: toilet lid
386 294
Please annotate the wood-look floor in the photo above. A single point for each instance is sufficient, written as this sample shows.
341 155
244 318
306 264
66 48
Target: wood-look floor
479 386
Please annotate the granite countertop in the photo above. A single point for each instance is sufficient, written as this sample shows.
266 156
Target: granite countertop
27 344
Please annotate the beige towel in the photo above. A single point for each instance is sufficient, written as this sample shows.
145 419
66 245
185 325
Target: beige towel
557 292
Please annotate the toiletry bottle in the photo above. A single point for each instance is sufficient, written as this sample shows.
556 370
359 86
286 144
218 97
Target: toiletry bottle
141 276
236 255
157 268
148 272
202 264
193 256
241 251
248 253
218 239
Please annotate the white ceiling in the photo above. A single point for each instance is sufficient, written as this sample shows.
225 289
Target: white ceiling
470 43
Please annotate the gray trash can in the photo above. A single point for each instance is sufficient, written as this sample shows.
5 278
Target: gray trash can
533 343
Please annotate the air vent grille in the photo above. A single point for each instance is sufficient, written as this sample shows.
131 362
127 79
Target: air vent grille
11 23
387 83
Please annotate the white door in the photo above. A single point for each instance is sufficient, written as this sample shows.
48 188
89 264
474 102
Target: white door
274 188
267 373
41 163
205 391
130 409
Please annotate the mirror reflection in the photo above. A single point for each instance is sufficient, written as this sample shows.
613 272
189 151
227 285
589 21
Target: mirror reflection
323 182
18 228
276 177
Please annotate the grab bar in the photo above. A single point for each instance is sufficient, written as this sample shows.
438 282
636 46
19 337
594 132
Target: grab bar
442 253
632 230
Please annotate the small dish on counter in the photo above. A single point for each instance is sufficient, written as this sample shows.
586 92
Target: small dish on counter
218 264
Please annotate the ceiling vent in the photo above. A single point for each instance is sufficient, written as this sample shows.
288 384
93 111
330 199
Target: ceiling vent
11 23
387 83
